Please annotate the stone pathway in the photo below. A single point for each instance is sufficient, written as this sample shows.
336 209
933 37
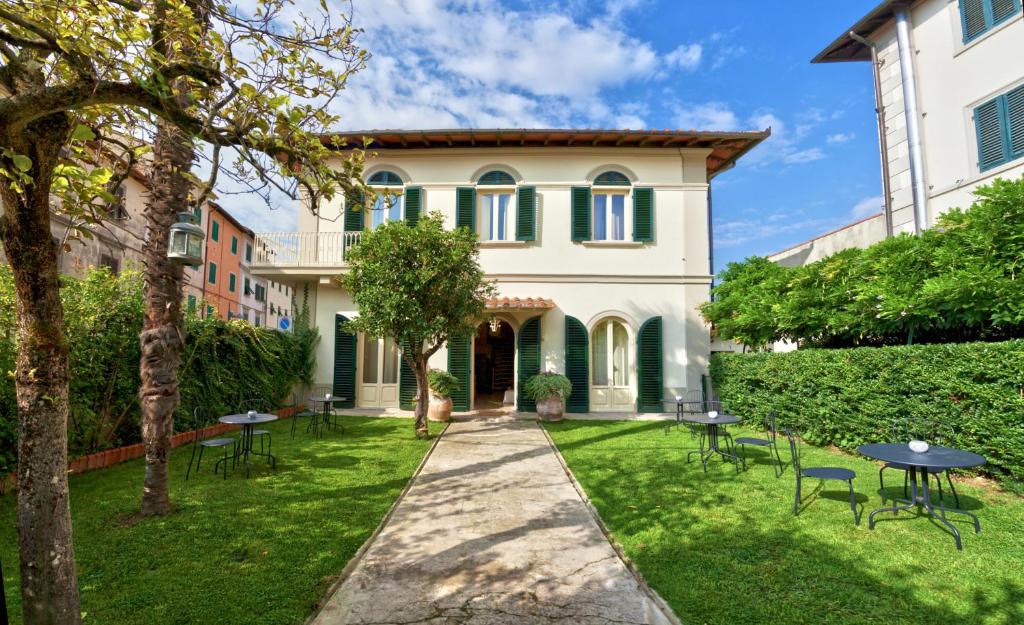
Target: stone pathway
491 532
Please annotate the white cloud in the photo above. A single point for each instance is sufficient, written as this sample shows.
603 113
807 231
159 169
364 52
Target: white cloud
741 231
840 137
786 145
803 156
685 57
867 207
708 116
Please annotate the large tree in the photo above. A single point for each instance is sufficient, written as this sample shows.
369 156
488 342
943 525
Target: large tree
82 77
421 285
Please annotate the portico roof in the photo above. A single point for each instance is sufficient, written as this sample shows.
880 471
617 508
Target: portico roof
516 303
726 147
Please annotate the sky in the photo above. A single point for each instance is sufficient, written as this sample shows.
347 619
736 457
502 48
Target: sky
638 64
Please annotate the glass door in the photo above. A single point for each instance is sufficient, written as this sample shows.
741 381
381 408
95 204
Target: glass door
609 385
378 384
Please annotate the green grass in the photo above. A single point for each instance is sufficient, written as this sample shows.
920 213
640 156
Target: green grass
257 550
726 548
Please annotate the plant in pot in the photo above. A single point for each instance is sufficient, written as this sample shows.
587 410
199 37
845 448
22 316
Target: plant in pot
442 384
549 390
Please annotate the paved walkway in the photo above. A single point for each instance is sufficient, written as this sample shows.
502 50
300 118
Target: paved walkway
491 532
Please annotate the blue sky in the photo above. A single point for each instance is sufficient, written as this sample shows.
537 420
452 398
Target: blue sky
734 64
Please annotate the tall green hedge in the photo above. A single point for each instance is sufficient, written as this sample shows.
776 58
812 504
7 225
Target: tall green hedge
847 397
224 362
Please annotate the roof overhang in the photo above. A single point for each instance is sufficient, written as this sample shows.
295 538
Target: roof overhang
725 147
845 48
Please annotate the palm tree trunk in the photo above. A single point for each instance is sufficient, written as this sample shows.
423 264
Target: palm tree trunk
49 586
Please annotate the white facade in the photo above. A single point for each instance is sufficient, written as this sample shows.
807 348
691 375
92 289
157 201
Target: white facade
627 282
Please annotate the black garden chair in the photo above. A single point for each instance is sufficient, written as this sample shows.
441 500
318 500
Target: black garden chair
299 400
768 443
200 421
262 406
820 473
903 431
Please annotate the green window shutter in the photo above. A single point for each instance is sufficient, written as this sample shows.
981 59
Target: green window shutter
526 215
354 217
234 244
577 365
248 253
191 303
344 363
231 282
406 383
413 205
213 273
1015 121
465 208
529 361
215 230
972 18
209 310
459 352
199 215
649 366
581 213
988 123
1003 10
248 287
643 214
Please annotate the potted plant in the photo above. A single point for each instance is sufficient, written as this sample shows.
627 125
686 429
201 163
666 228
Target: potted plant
442 384
549 390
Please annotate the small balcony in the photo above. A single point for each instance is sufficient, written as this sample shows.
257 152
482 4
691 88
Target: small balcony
301 253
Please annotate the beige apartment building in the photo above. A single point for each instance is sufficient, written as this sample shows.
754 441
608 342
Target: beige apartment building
949 79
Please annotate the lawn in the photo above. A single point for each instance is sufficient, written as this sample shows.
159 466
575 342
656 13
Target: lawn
726 548
257 550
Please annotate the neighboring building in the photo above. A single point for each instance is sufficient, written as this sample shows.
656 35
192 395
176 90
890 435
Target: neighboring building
598 242
950 80
279 304
218 283
858 234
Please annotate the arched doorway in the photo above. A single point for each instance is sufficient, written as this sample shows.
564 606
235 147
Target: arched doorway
494 364
610 371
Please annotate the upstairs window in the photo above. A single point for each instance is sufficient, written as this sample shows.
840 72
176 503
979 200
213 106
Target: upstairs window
612 208
215 230
494 209
977 17
609 206
999 124
497 209
387 206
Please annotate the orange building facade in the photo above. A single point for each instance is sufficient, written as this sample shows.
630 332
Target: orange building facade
218 282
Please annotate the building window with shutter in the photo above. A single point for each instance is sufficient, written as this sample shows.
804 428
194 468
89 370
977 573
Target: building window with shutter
610 208
494 207
999 124
234 245
213 273
610 216
977 17
248 253
503 210
215 230
248 287
231 282
117 209
110 263
387 205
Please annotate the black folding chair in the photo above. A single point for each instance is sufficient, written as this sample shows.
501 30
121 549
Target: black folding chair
200 420
769 443
821 473
910 428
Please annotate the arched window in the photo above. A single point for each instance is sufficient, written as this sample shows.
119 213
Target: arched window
609 216
387 206
495 191
609 350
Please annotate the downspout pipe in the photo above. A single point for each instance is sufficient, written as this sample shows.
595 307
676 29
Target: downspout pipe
910 111
883 142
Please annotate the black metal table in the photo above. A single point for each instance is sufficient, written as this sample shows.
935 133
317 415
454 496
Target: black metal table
937 457
249 424
325 414
711 428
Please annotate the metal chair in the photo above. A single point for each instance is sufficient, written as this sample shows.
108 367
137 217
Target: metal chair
262 406
692 403
298 400
903 431
743 441
318 421
200 420
821 473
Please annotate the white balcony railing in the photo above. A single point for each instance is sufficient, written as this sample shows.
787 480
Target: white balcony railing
303 249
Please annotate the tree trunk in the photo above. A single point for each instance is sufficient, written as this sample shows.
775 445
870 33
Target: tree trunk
162 333
422 396
49 586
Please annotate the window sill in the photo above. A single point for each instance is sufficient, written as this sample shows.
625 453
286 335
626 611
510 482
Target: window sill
486 244
613 243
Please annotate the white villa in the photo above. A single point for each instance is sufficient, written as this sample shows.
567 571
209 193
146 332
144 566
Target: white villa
599 242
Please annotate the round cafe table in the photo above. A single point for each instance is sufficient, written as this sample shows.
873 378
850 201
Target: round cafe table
248 426
325 413
712 436
918 465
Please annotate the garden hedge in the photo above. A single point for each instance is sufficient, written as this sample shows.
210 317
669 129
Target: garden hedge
847 397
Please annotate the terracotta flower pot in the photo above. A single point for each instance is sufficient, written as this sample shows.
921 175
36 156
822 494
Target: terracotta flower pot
550 409
439 409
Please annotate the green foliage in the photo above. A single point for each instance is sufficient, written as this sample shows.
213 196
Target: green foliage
442 383
224 361
960 281
850 397
548 385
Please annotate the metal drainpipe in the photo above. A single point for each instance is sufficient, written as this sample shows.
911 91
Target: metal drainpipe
883 142
910 111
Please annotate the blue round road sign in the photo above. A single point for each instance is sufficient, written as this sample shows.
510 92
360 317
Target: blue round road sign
284 323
